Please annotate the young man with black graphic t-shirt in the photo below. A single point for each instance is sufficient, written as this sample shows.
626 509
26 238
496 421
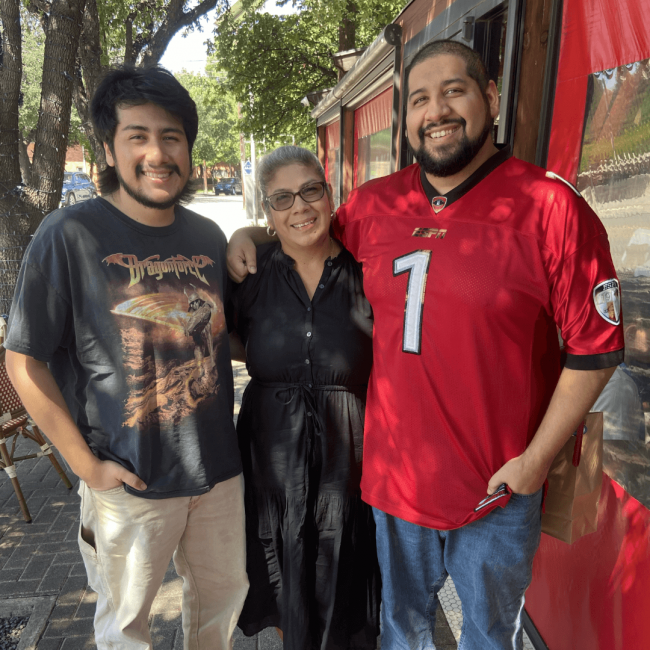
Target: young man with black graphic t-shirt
118 347
471 260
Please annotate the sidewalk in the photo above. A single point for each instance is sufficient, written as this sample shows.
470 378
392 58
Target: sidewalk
42 574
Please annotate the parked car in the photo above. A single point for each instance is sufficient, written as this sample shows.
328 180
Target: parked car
77 186
228 186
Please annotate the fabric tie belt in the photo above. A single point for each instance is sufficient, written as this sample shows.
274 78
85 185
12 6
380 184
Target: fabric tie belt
307 392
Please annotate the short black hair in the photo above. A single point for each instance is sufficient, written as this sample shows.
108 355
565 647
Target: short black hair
129 85
475 66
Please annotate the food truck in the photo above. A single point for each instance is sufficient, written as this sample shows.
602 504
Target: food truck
574 80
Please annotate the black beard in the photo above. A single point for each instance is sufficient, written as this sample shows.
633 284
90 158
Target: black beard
148 203
458 158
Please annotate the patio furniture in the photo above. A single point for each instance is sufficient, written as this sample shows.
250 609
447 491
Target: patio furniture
14 422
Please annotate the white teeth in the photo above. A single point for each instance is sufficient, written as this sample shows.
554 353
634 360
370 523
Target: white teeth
299 226
440 134
153 175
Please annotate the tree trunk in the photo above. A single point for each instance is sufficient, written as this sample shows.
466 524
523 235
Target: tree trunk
23 157
348 28
15 214
11 70
64 27
86 83
129 54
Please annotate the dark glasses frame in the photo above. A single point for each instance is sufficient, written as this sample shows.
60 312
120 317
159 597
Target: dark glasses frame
323 184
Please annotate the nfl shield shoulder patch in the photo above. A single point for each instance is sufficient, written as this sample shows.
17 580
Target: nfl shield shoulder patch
438 203
607 298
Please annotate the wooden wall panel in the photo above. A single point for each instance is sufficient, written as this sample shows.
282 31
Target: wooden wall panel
347 153
321 144
419 14
531 85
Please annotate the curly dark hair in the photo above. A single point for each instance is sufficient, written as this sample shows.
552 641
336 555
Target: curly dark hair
129 85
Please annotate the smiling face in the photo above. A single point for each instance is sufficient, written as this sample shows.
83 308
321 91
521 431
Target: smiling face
448 118
303 224
151 158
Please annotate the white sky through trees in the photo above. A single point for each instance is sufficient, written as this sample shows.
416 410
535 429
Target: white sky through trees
190 52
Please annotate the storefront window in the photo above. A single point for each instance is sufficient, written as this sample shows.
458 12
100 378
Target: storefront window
333 142
372 131
614 178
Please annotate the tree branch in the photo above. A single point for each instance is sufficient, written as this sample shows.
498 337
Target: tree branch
175 20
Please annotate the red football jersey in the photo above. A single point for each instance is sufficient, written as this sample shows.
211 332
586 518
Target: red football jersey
467 290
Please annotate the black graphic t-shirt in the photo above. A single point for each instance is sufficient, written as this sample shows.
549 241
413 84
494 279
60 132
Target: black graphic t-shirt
130 319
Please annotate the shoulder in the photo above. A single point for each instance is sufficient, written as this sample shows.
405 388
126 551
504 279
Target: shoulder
396 191
267 256
64 228
547 186
266 253
547 205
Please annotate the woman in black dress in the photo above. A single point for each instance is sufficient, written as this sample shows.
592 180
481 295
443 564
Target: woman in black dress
307 329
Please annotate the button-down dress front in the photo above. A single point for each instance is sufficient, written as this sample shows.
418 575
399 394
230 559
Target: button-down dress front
312 560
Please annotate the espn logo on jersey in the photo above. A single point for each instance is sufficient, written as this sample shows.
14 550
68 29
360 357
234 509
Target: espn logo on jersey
436 233
607 298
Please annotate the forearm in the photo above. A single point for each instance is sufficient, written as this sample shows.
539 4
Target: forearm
45 404
257 234
574 395
237 349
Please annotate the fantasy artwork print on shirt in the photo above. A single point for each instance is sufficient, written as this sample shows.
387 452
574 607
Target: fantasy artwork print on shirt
169 336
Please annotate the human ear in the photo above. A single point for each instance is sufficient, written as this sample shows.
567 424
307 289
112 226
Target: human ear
110 161
492 95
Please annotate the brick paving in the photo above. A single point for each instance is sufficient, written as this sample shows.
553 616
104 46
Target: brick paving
42 559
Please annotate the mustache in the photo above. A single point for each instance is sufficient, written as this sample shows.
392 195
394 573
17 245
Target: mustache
427 128
139 169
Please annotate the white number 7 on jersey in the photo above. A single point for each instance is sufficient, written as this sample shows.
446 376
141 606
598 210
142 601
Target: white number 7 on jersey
416 264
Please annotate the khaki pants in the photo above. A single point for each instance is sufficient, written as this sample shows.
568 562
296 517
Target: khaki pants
127 542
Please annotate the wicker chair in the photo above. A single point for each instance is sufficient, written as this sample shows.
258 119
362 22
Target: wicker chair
14 422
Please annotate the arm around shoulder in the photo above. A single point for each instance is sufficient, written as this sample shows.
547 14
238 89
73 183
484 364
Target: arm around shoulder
241 256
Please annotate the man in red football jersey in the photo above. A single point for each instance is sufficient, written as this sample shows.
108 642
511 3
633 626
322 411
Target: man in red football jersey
470 400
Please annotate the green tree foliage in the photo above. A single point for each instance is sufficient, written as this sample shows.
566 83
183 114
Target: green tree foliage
272 62
218 137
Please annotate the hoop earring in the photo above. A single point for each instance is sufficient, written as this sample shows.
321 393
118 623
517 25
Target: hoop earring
332 215
270 232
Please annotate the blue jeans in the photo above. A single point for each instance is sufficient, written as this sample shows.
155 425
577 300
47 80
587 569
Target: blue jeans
489 560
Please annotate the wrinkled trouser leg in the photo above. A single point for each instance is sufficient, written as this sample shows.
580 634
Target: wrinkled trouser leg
127 543
211 559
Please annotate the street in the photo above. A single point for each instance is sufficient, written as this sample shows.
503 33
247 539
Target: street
227 211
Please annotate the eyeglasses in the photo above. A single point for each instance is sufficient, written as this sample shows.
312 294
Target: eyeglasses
284 200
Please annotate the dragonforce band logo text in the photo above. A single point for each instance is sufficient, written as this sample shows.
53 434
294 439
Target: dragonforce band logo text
153 266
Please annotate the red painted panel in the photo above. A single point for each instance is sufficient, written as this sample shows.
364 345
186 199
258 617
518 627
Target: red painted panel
594 594
601 34
596 35
566 135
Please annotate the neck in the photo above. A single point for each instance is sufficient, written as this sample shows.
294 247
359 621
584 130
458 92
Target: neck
312 255
138 212
445 184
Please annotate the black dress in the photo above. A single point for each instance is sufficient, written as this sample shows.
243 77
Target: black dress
311 556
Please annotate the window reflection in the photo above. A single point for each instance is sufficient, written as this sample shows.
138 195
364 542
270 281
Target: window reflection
614 178
374 156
